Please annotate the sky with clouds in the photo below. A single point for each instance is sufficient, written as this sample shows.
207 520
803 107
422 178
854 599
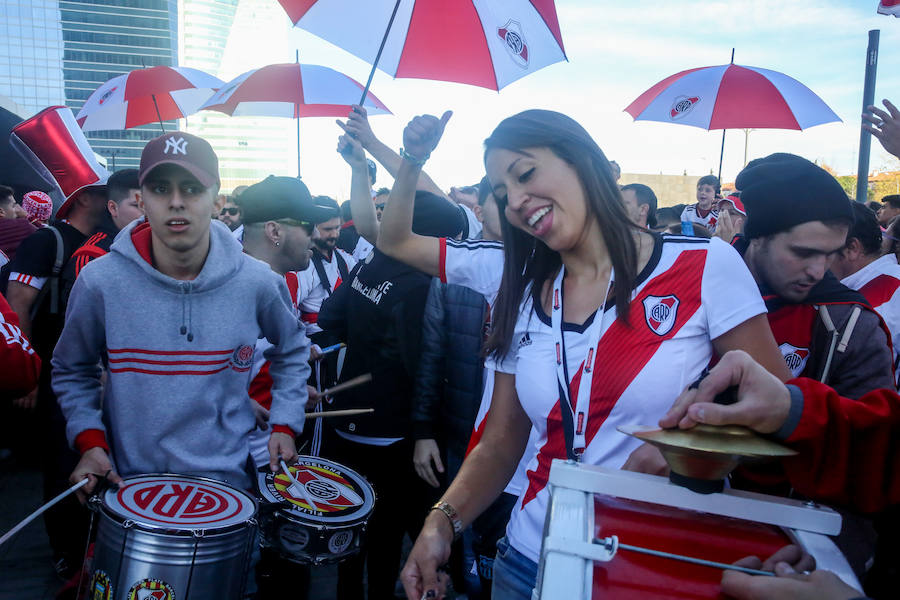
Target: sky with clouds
616 50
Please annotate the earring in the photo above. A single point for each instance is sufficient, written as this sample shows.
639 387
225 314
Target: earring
277 243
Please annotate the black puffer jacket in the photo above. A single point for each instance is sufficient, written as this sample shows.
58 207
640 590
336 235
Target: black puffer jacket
448 385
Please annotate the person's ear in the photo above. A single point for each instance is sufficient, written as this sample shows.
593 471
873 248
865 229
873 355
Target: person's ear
113 208
274 232
644 210
478 213
853 250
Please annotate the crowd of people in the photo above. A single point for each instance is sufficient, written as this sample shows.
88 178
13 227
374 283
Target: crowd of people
156 325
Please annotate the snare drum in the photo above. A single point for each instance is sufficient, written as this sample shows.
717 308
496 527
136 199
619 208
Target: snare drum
163 537
325 521
590 502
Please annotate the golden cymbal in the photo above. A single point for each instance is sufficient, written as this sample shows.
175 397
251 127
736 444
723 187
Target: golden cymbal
705 451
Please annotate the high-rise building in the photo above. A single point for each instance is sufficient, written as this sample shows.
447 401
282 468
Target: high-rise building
224 38
59 51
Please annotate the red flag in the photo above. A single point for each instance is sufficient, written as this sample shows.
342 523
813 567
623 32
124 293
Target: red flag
889 7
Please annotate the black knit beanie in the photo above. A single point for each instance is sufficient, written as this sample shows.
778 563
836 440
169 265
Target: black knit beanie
783 190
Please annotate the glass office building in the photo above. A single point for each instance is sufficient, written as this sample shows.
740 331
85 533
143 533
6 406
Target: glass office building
223 38
60 51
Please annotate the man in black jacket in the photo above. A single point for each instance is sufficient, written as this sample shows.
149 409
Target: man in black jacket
378 313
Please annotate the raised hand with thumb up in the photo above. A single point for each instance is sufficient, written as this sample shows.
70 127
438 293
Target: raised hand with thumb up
422 135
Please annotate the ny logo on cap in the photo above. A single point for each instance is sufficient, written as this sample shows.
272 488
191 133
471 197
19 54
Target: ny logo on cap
178 146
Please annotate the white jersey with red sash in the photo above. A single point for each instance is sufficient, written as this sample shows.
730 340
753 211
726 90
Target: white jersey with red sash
691 291
879 282
313 291
708 218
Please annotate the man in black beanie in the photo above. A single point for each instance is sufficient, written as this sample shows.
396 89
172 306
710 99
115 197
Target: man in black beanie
798 217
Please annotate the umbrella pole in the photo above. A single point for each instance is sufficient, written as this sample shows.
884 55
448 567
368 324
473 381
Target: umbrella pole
297 118
865 138
721 155
378 56
158 116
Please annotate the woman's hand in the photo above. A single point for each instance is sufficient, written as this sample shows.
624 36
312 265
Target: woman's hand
423 133
420 575
426 452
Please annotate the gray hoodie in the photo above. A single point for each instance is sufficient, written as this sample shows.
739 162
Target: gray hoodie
178 355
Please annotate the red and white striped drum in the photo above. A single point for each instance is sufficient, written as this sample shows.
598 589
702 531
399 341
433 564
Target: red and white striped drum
592 503
164 537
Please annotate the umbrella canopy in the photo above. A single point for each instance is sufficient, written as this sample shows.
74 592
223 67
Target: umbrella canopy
732 97
889 7
292 90
487 44
145 96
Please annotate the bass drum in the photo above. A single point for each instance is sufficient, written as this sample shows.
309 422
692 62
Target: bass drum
324 521
163 537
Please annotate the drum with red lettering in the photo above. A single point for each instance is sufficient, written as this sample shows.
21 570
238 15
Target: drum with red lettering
163 537
601 523
321 521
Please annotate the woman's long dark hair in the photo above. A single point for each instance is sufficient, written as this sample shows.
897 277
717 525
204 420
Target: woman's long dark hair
528 261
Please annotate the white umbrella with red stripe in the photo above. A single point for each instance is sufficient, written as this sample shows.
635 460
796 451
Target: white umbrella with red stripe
889 7
146 95
487 43
292 90
732 97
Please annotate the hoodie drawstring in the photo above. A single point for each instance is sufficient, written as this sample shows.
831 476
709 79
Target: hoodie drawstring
185 298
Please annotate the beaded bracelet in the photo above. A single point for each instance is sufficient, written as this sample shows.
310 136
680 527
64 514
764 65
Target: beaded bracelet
416 161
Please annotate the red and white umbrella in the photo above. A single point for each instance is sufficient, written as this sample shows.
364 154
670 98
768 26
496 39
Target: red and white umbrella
889 7
145 96
484 43
292 90
732 97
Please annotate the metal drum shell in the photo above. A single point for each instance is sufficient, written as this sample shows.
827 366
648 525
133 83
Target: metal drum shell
195 563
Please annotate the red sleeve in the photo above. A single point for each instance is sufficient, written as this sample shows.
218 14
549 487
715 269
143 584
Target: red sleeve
442 259
21 366
849 449
283 429
90 438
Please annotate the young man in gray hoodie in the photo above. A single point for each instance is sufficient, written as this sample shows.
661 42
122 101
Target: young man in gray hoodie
174 312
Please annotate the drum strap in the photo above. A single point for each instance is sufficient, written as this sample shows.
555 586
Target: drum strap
575 414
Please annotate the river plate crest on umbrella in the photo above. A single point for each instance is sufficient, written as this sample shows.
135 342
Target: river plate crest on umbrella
484 43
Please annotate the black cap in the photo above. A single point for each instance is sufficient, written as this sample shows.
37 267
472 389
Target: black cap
783 190
276 198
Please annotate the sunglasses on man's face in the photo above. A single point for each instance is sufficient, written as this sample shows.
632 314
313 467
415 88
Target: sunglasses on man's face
233 211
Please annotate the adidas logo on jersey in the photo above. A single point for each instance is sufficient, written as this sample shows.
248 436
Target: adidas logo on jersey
525 340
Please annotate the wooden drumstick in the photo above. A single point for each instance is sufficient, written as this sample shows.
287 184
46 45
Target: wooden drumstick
350 383
349 412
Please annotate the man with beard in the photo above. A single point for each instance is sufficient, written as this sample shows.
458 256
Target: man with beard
798 217
329 266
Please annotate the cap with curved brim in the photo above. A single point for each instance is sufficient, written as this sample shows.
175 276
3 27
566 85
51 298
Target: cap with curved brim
276 198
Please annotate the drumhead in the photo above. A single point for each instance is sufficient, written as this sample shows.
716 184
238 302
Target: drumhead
338 494
179 503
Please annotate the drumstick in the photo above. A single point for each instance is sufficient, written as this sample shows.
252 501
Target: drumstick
41 510
296 488
610 543
348 412
350 383
332 348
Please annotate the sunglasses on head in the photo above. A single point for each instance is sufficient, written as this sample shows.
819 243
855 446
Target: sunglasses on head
233 211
